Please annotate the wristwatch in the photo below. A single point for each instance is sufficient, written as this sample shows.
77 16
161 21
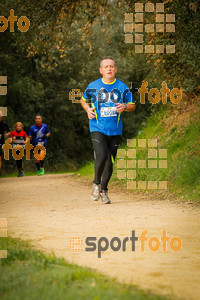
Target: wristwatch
125 106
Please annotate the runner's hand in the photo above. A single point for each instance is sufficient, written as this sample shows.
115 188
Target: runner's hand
90 113
120 107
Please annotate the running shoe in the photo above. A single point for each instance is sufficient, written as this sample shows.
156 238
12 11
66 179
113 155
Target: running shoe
42 171
104 197
21 173
95 192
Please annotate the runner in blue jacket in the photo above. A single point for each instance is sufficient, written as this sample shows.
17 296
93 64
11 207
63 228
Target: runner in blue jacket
104 100
39 133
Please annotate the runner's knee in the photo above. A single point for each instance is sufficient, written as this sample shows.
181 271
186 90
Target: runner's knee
101 158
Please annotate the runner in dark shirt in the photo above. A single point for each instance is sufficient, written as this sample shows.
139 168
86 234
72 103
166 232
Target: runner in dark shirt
4 133
19 137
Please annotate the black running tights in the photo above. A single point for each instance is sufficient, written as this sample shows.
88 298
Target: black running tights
105 150
19 164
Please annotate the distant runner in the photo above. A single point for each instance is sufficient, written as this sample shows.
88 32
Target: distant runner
19 137
39 133
4 133
109 97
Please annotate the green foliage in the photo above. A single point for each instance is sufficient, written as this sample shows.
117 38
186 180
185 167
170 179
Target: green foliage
180 69
183 160
61 51
87 169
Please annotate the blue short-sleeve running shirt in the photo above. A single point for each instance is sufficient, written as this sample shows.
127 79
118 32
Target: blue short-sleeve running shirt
38 134
103 97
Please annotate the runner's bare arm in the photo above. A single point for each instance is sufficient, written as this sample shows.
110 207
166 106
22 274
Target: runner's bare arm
26 141
90 111
7 134
125 107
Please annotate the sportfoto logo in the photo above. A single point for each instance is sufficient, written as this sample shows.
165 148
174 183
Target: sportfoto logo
129 163
18 150
3 85
23 22
161 23
116 244
154 95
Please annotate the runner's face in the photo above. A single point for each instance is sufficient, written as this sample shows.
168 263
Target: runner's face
108 69
18 127
38 120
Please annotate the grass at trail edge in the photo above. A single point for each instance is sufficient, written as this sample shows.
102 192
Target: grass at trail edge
30 274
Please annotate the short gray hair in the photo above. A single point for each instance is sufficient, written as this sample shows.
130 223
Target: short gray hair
38 115
106 57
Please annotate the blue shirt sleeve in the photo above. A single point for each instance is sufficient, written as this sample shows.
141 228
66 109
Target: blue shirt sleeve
128 97
30 132
87 94
47 130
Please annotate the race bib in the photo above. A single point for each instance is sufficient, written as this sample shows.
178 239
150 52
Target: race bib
108 112
40 143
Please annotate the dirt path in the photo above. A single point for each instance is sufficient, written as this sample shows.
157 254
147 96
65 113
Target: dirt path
54 208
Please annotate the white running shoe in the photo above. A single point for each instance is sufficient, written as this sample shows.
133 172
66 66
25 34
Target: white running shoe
95 192
104 197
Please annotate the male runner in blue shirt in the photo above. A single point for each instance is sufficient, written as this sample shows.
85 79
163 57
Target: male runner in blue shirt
39 133
109 97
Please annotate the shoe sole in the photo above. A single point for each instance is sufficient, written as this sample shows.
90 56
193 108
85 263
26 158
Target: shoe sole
105 202
108 202
94 199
